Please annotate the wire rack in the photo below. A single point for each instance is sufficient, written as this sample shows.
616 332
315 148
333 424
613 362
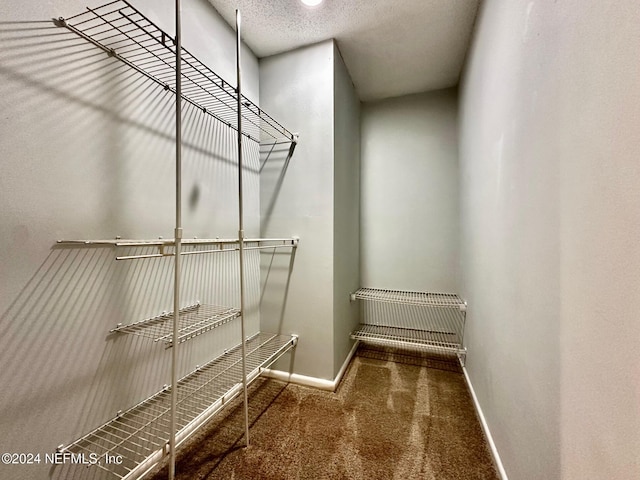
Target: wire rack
125 33
193 320
419 321
138 436
196 246
406 337
410 298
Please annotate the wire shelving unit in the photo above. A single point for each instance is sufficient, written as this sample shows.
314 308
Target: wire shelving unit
139 434
442 300
155 427
423 321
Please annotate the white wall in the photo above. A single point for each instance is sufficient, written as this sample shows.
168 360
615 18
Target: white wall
410 219
346 210
550 225
314 196
87 152
297 199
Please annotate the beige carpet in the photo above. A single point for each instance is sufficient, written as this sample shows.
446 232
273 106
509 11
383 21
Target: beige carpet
387 420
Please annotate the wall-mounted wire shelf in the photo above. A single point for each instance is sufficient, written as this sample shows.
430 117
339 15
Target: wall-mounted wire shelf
446 300
406 337
194 320
189 246
421 321
125 33
139 435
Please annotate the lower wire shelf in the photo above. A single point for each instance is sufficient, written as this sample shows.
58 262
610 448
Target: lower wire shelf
137 438
423 340
427 299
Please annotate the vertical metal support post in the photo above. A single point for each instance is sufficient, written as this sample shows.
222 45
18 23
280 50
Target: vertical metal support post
178 242
241 233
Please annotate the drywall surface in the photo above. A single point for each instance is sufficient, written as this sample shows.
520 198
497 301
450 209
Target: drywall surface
87 148
409 222
550 225
296 198
346 210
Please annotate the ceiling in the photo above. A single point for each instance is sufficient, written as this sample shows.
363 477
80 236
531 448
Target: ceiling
390 47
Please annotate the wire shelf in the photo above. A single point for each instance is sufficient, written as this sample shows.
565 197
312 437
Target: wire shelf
422 321
194 246
139 436
193 320
411 298
405 337
125 33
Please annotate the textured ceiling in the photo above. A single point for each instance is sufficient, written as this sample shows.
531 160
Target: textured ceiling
390 47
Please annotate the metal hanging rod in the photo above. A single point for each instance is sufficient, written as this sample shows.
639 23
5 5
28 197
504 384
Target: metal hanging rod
293 241
197 252
125 33
223 245
177 233
241 246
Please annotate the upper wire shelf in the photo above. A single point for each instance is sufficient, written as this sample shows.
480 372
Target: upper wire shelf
125 33
410 298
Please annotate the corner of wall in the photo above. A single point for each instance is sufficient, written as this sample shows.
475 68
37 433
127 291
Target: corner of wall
346 207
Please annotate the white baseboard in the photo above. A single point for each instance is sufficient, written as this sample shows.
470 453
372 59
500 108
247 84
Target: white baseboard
314 382
485 428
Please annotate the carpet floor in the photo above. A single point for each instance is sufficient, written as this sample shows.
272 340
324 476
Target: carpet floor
387 420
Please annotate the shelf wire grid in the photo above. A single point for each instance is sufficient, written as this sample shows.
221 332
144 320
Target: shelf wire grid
394 336
125 33
421 321
193 320
143 430
447 300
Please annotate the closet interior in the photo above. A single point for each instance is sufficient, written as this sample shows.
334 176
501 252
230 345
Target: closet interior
160 372
464 189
